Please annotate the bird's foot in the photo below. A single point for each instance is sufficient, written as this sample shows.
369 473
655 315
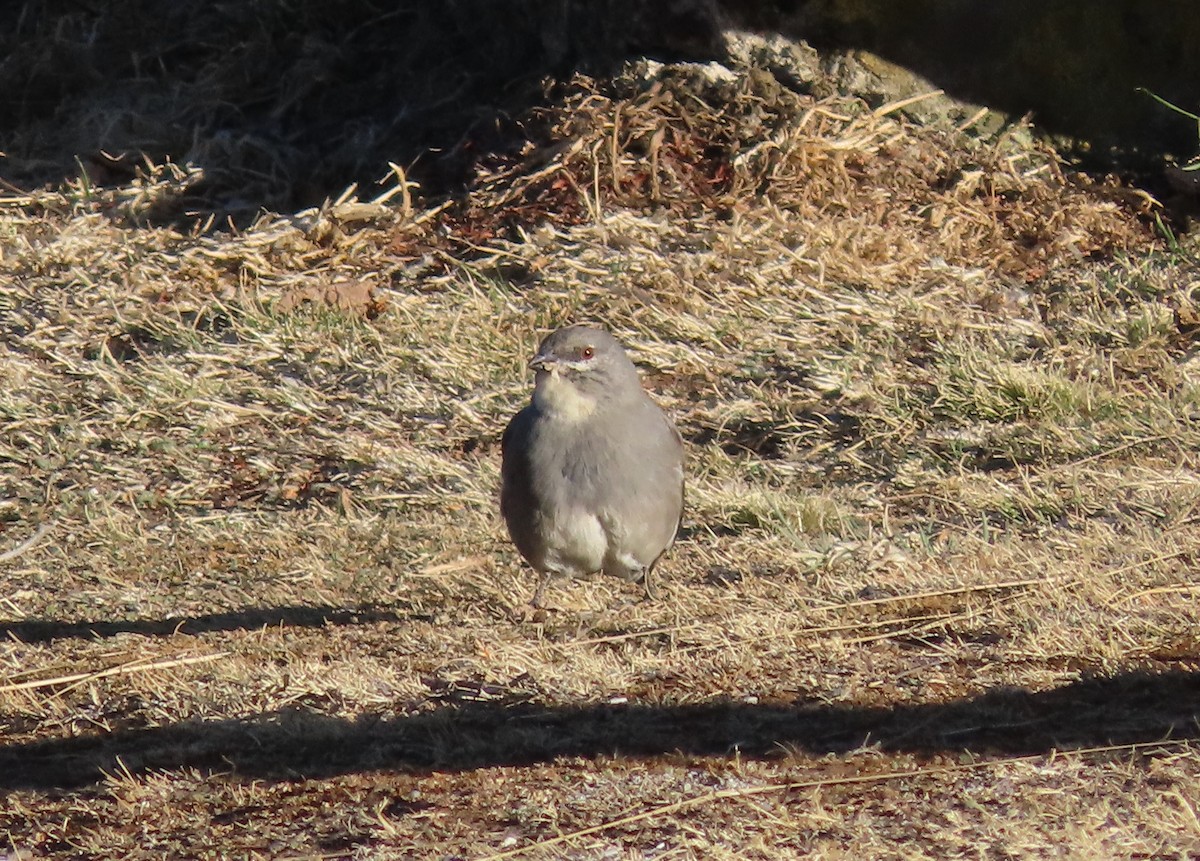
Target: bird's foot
527 614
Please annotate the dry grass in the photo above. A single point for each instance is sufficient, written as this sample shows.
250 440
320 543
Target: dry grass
936 592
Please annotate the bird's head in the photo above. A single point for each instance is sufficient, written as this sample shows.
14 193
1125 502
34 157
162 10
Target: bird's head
579 366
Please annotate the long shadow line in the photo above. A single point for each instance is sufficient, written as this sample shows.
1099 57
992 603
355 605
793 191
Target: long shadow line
287 744
249 619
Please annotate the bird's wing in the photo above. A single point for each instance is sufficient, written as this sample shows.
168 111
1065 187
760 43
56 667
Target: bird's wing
518 501
682 484
651 504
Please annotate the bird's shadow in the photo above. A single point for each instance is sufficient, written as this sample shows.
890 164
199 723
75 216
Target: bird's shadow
471 733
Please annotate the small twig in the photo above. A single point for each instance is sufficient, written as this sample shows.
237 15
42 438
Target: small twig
123 669
26 544
934 622
457 565
860 779
919 596
1162 557
933 619
1158 590
798 633
630 635
1109 452
974 118
429 214
891 107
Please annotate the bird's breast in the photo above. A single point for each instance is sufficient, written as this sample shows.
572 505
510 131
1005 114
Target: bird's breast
561 399
575 541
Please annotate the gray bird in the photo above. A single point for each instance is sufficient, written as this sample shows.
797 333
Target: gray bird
592 474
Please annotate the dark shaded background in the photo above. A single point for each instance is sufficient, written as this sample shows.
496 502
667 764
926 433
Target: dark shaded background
286 103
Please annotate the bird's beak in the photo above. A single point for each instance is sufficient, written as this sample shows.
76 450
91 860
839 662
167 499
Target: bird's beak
542 363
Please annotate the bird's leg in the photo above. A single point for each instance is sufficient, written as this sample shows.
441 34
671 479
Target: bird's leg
648 583
540 591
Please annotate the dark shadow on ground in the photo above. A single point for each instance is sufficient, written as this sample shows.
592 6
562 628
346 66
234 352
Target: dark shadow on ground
285 104
1123 709
250 619
1075 66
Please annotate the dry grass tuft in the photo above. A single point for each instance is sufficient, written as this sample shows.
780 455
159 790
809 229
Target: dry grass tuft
935 595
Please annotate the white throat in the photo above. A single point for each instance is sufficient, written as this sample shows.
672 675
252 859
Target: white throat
561 399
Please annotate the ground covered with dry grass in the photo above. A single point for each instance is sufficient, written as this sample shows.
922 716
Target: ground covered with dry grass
934 598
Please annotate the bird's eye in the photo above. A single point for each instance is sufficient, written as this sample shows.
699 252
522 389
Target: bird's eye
587 352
